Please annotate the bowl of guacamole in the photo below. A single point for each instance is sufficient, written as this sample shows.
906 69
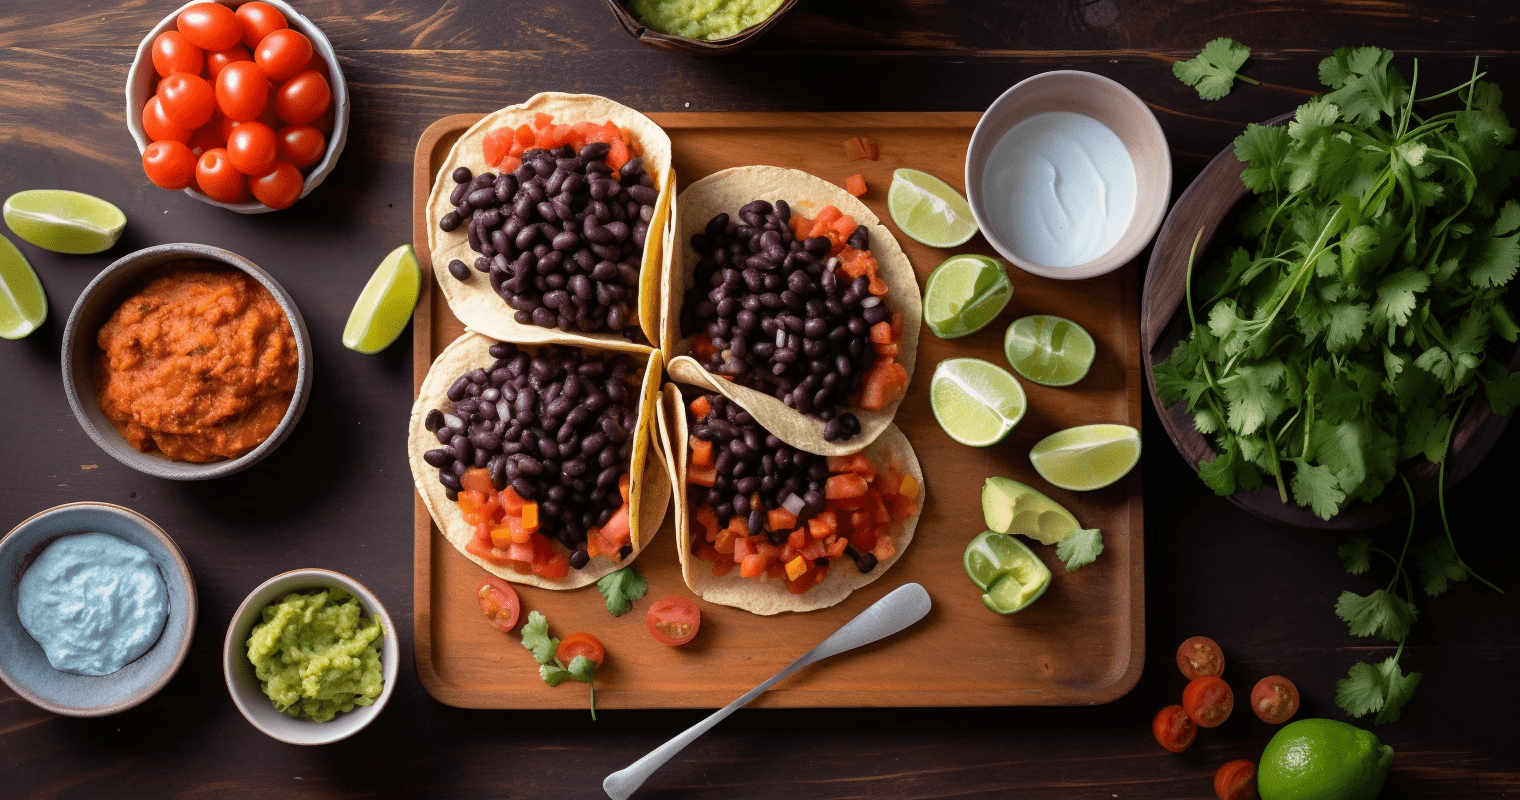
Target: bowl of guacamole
310 657
698 26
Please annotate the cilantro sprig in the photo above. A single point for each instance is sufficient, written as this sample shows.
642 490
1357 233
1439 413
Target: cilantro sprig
1213 71
536 639
621 588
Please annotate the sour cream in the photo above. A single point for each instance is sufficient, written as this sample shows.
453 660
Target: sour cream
1060 188
94 602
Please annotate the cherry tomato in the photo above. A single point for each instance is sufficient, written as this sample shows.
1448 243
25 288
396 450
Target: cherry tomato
580 644
169 164
251 146
242 91
210 26
259 20
1208 701
301 145
207 137
1274 699
172 53
1173 730
216 62
280 187
159 127
500 603
1236 781
283 53
1200 657
218 179
187 100
303 98
674 620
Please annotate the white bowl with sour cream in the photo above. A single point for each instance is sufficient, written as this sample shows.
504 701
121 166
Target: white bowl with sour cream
1068 174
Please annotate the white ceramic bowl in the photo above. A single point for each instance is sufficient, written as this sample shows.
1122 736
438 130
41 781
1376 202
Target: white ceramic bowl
1106 101
23 665
243 684
142 82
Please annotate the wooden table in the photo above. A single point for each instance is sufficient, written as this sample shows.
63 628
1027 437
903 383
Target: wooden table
338 493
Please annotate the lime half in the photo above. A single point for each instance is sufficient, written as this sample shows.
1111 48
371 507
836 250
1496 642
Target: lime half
1009 574
1086 457
1323 759
965 293
64 221
23 304
1012 507
1051 351
386 304
929 210
975 401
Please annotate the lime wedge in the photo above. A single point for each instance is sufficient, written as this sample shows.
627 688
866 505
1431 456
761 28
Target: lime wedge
64 221
1086 457
1012 507
929 210
1009 574
976 402
965 293
23 304
1051 351
386 304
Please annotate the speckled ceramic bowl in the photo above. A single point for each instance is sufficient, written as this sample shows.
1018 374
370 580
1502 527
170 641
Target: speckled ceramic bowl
23 665
95 306
248 693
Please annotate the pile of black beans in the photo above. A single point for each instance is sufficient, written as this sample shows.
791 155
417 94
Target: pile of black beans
561 237
750 461
782 320
557 426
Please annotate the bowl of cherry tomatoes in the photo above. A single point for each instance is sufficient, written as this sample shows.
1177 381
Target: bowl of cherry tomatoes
239 103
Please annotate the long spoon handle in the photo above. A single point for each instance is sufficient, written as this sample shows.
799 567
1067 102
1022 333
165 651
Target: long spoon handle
904 606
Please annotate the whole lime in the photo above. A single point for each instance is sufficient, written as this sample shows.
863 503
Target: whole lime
1323 759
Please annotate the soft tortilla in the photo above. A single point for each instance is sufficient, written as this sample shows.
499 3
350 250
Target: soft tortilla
728 191
767 595
649 483
473 301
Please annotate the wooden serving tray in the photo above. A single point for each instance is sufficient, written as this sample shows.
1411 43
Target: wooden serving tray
1080 644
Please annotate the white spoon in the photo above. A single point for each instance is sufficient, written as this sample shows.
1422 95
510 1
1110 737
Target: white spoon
904 606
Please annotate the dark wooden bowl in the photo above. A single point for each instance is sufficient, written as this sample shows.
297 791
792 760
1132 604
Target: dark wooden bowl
1207 204
680 44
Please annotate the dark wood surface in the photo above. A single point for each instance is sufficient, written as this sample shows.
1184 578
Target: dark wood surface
338 495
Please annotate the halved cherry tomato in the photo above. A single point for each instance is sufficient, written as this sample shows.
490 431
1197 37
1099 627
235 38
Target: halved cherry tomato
283 53
1208 701
242 90
187 100
580 644
1274 699
259 20
218 61
172 53
210 26
301 145
169 164
251 146
303 98
500 603
674 620
159 127
1173 730
1236 781
218 179
1200 657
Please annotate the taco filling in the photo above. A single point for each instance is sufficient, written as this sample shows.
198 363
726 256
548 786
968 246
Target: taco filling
536 451
778 512
559 226
793 307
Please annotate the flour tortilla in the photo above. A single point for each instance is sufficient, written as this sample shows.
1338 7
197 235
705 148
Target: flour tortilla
649 480
730 190
767 595
473 301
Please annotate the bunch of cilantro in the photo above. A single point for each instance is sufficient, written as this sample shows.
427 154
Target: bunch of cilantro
1359 317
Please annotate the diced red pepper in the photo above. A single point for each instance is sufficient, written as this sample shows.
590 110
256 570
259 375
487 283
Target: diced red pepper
701 406
701 451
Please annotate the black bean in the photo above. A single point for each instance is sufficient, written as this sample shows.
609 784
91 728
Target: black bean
860 239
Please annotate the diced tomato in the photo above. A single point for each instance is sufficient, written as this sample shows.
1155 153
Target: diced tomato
702 474
701 451
491 555
482 534
706 552
543 137
854 148
542 120
881 333
899 507
796 539
511 502
863 537
822 524
478 480
800 225
743 548
884 548
855 184
779 519
707 519
497 145
619 154
811 549
724 541
525 135
839 487
509 164
753 566
701 406
704 348
836 548
556 567
886 382
618 530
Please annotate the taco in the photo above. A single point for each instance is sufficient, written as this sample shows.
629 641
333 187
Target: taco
795 302
768 528
546 222
534 459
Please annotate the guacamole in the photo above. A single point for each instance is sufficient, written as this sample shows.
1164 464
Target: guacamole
702 19
316 654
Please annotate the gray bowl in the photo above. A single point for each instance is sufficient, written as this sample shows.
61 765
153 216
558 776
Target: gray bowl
23 665
96 304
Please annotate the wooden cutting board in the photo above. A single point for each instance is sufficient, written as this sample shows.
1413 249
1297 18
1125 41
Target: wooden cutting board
1079 644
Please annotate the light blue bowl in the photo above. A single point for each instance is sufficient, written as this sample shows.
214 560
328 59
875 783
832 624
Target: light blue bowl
23 665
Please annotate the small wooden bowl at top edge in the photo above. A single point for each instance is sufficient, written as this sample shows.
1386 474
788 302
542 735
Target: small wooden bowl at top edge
680 44
1206 205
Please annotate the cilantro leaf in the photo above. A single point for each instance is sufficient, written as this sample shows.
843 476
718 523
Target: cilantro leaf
1263 148
582 669
535 637
621 588
1382 614
552 673
1382 688
1356 554
1439 565
1399 688
1315 486
1214 70
1364 86
1500 386
1080 547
